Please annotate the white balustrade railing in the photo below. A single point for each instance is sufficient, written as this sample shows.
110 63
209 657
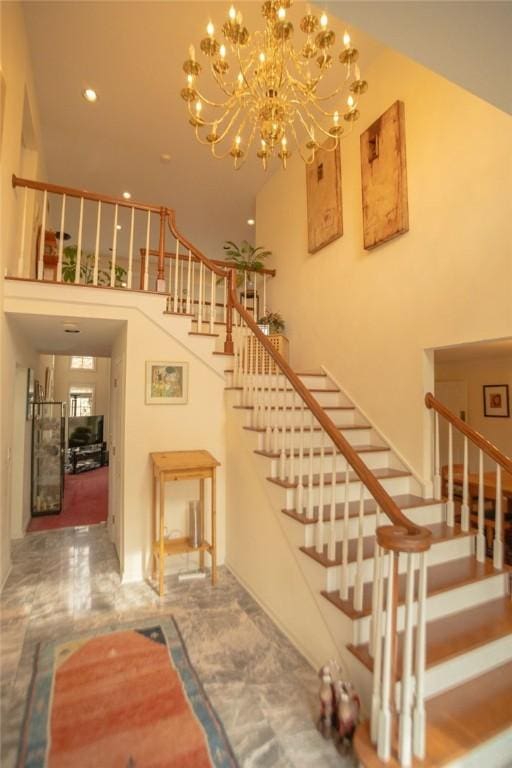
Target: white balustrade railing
473 495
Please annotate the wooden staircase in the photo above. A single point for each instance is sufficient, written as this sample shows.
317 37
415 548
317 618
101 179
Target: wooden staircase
468 677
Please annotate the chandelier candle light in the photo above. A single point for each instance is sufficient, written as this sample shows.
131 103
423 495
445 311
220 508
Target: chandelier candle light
270 89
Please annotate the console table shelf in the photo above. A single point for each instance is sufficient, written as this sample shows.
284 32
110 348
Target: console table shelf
181 465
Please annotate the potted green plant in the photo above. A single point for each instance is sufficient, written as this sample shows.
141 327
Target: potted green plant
274 321
87 269
246 258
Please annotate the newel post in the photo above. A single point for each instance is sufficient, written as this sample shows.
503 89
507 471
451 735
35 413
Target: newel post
160 275
228 343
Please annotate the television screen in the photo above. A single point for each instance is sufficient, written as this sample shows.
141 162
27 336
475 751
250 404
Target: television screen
85 430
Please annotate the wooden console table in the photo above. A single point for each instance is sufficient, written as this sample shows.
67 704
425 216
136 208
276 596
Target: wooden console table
181 465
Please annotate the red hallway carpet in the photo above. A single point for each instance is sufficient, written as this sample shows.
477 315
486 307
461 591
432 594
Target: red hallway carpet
85 502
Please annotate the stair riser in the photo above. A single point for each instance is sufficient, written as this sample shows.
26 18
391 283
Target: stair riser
393 485
372 459
467 665
443 604
422 516
439 552
257 417
353 436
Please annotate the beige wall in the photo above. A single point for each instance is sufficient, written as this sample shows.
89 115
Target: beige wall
16 70
65 377
475 373
369 316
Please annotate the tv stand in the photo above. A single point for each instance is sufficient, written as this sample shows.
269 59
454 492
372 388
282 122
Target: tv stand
88 457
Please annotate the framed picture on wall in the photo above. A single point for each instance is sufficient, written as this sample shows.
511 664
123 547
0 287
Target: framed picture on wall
496 402
323 186
166 383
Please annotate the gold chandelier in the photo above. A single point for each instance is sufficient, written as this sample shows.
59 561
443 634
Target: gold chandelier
270 89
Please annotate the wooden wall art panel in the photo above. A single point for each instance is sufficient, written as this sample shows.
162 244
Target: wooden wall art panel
384 178
323 184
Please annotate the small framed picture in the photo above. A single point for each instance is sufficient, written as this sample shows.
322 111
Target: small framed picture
166 383
496 402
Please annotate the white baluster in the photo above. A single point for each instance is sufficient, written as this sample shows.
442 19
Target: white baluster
310 511
255 294
464 510
129 276
193 288
264 294
358 586
181 307
420 656
189 281
405 723
21 257
331 554
450 506
97 246
376 633
268 409
437 469
345 537
40 263
300 474
282 462
245 290
384 736
275 435
480 537
61 238
376 577
114 250
320 521
146 260
291 464
169 277
78 269
212 302
225 300
498 535
200 306
177 286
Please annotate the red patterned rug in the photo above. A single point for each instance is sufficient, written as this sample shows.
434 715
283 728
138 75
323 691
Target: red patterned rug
85 502
123 699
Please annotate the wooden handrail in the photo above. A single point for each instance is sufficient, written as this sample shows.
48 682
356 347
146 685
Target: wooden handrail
479 440
404 535
218 262
79 193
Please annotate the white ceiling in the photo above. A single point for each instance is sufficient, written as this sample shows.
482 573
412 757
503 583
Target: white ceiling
132 54
48 337
482 349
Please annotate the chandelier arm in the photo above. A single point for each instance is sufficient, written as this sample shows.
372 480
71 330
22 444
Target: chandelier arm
207 122
217 104
223 85
308 160
319 126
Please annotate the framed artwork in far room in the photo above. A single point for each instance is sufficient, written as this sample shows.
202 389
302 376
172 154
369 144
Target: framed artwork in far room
496 401
166 383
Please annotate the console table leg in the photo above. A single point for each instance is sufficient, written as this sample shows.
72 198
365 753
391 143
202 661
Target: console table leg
153 531
214 531
201 524
161 534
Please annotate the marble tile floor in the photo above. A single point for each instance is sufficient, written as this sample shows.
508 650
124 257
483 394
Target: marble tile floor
67 581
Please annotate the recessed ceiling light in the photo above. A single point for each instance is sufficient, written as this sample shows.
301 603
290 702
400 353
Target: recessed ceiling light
251 222
90 94
118 226
70 328
165 157
127 195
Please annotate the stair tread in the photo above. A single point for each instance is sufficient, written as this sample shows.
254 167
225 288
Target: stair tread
441 578
403 501
458 633
327 451
440 532
290 389
308 429
299 408
202 333
381 473
457 722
